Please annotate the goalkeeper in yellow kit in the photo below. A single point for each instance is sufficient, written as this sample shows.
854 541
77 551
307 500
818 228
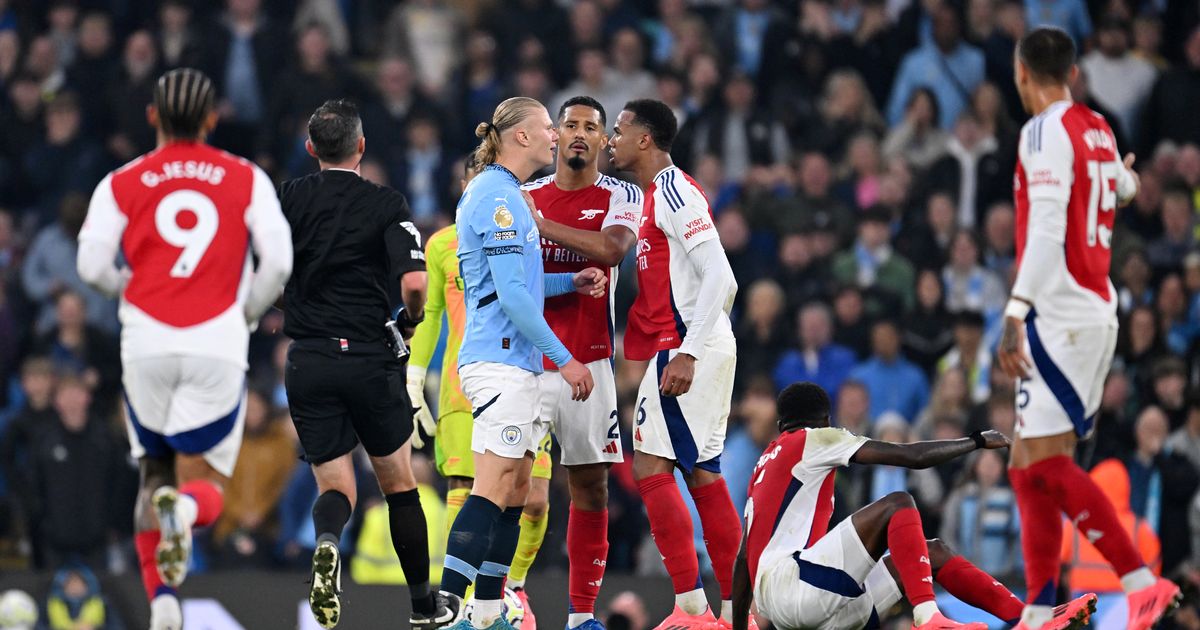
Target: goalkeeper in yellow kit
454 424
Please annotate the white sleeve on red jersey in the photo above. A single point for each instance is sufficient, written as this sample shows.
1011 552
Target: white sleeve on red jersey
1048 158
682 211
829 448
100 239
1126 185
718 286
624 204
271 237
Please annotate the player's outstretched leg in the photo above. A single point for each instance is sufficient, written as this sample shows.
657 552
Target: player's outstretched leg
587 542
671 528
165 611
722 532
893 524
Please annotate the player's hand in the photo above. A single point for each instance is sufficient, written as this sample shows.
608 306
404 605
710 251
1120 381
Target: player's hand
995 439
422 417
591 281
1137 180
1011 352
677 377
579 378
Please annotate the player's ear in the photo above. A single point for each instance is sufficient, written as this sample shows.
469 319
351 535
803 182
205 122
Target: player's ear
362 145
210 123
152 115
1073 75
308 146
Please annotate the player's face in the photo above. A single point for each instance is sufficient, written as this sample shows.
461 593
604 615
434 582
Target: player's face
622 146
581 136
542 137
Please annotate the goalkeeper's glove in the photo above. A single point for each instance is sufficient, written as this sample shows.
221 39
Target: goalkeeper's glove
422 417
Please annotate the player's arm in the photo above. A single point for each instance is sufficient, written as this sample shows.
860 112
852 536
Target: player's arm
926 454
1048 158
271 237
742 595
407 259
606 247
99 241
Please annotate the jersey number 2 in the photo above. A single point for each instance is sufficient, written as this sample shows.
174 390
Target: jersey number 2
1102 198
201 227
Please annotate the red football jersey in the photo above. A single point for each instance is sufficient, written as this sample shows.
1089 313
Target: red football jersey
184 216
1067 156
583 323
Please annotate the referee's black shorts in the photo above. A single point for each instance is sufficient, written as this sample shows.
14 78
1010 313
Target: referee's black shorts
340 396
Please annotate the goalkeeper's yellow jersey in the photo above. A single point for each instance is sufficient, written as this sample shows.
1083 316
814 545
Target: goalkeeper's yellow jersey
445 296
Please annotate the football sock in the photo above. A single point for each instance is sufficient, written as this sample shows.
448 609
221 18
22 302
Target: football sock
146 544
587 549
1090 509
454 502
671 528
468 544
208 501
693 602
1137 580
727 609
973 586
529 541
506 531
330 514
486 612
910 554
722 530
1041 544
410 537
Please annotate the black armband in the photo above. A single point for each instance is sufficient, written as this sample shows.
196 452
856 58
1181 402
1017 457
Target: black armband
977 436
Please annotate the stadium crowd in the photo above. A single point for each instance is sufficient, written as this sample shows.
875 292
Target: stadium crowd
858 155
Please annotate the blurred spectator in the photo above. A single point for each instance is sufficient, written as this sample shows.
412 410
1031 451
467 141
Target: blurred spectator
76 470
762 332
999 249
750 36
1172 306
596 80
1162 485
999 48
77 603
803 277
970 354
82 350
431 34
1069 15
10 55
755 426
946 65
385 118
972 170
1088 570
851 326
1140 345
740 134
129 91
927 242
1168 390
927 334
1142 216
1169 113
894 384
50 269
873 264
970 285
846 111
1178 237
980 519
1147 39
424 174
265 462
862 170
479 86
177 36
853 410
1119 80
22 118
243 54
332 18
65 161
810 206
62 21
918 138
745 257
89 71
627 52
1185 440
1081 93
42 61
950 401
22 430
627 611
818 359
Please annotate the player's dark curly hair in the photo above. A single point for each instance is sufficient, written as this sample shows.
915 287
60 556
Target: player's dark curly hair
1048 52
802 405
657 118
184 98
585 101
334 130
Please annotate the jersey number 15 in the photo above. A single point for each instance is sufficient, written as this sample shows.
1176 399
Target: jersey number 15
1101 198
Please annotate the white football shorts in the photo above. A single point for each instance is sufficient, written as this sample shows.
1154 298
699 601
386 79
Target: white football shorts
588 431
506 404
1070 365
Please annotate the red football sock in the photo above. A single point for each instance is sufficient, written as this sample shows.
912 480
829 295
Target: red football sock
910 553
146 544
722 530
587 549
1041 536
971 585
1091 511
671 527
209 500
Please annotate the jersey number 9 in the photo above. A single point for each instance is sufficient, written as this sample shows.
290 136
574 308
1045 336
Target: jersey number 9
187 219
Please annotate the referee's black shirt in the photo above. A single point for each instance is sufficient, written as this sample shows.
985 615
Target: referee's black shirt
352 240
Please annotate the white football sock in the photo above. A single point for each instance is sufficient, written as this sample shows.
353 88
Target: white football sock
187 510
922 613
692 602
574 620
486 612
1036 616
727 610
1137 580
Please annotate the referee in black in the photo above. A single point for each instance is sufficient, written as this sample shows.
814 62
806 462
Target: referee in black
345 373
